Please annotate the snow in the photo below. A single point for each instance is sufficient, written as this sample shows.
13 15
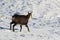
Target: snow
44 25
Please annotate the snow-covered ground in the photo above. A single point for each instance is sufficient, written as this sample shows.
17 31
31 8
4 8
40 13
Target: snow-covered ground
44 25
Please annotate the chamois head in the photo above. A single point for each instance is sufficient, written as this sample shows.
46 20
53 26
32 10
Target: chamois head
30 14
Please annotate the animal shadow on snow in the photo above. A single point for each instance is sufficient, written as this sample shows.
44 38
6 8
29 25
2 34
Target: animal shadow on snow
3 28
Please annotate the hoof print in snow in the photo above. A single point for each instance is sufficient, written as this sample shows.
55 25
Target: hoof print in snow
32 34
39 35
22 35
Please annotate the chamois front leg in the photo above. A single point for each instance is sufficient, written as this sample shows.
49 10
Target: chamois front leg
14 26
27 27
20 28
11 24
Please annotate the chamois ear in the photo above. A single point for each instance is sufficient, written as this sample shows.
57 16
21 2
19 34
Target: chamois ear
31 11
28 11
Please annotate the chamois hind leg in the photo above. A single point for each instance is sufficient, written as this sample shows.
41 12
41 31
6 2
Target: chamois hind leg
14 26
27 27
11 24
20 28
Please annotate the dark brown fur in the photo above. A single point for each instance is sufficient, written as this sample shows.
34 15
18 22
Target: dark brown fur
21 20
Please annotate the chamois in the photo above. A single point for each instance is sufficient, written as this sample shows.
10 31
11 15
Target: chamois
21 20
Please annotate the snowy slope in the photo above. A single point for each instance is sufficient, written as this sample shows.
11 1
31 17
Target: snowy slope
44 25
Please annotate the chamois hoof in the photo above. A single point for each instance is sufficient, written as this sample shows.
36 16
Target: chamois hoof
20 31
28 31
